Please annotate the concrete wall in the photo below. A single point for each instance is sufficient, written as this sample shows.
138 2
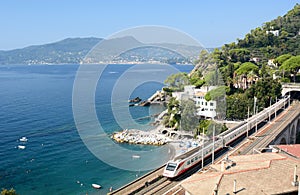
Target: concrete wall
288 136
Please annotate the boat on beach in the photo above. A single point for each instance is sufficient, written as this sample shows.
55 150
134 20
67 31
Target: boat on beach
96 186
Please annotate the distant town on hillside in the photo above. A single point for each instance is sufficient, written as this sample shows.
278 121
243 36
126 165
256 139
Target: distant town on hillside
74 50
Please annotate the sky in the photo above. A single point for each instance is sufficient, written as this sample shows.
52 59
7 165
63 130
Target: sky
211 22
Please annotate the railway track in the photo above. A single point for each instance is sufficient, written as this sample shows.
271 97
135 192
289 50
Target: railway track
264 140
165 184
161 185
155 183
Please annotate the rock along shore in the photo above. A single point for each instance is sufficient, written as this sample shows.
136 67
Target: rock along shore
134 136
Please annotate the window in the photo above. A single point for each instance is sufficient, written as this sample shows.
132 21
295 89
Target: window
211 104
205 103
171 166
188 162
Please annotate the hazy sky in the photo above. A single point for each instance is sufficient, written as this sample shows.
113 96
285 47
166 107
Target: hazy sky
211 22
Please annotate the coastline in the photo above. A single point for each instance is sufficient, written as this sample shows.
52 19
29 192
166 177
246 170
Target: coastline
178 142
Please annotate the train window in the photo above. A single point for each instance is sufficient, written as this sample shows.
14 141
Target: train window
196 158
192 160
188 162
171 166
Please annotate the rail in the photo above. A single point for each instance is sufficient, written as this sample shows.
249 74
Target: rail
232 136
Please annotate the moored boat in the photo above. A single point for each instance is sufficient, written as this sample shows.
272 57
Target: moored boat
23 139
96 186
21 147
136 156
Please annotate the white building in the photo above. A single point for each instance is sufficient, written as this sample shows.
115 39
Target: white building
188 93
206 109
274 32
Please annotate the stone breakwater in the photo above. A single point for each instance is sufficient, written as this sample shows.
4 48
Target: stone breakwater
134 136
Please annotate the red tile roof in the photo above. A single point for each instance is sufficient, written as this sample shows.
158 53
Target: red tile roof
291 149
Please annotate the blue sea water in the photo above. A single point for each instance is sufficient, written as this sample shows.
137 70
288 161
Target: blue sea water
36 102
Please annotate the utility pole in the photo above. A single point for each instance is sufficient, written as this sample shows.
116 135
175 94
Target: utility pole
276 109
202 149
270 109
254 105
289 98
213 150
248 122
256 119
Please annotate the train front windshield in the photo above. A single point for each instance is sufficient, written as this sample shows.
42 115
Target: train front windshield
171 166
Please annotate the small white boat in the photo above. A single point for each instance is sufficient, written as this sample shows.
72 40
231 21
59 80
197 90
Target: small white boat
96 186
21 147
136 156
23 139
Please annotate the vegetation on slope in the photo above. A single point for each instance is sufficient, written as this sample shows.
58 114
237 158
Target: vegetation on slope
253 67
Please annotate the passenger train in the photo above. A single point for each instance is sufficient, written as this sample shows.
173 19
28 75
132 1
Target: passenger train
184 162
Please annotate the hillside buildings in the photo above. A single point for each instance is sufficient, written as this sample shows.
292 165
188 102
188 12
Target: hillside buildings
205 109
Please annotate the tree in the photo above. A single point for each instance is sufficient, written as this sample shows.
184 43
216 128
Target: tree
173 116
219 95
189 120
239 55
214 78
264 90
262 72
204 57
8 192
213 126
244 71
215 94
196 79
292 65
280 59
177 81
246 68
237 106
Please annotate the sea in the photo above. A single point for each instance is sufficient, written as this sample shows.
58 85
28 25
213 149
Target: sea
36 102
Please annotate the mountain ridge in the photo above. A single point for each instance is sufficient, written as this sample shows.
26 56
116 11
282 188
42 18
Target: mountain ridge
74 51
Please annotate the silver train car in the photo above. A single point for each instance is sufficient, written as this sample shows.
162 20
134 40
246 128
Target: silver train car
184 162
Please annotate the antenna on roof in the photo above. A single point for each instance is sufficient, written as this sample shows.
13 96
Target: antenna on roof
295 181
216 189
234 186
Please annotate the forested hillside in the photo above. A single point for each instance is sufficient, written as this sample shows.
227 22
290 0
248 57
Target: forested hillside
256 65
253 68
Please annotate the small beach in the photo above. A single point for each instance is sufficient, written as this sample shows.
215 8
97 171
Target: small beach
178 141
